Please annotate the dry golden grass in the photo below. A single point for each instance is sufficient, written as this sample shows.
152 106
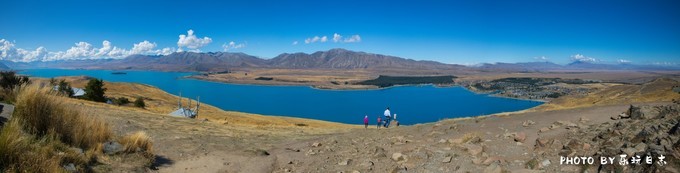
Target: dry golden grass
20 153
43 112
46 133
469 136
137 142
659 90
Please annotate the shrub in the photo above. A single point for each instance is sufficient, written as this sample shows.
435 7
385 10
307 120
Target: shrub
139 102
139 142
10 82
65 88
21 152
120 101
94 91
42 113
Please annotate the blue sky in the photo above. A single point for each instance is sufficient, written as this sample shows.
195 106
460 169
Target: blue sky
463 32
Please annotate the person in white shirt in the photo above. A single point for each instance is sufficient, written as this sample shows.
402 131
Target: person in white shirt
387 117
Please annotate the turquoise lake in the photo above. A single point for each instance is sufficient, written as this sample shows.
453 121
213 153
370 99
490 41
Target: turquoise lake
412 104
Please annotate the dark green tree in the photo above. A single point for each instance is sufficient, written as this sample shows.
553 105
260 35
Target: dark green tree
120 101
94 91
65 88
139 102
53 82
9 80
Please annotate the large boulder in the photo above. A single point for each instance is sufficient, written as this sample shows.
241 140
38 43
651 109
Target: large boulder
642 112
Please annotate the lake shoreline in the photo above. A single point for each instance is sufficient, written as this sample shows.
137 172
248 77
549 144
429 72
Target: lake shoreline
421 103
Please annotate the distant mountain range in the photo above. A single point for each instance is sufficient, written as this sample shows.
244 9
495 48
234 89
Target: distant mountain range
331 59
578 65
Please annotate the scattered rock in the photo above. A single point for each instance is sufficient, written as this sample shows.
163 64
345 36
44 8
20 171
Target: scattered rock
527 123
571 125
544 129
316 144
542 142
586 146
398 157
70 167
442 141
545 163
477 161
624 115
456 141
447 159
583 119
345 162
642 112
112 147
367 164
629 151
474 149
555 126
520 137
493 168
379 152
493 159
641 147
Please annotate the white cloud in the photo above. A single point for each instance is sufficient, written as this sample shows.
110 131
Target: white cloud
192 42
541 58
106 48
295 42
81 50
232 45
623 61
337 37
143 47
167 51
312 40
353 39
9 52
581 58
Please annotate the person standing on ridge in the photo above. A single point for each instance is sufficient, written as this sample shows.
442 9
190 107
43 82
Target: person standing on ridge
379 122
366 122
387 117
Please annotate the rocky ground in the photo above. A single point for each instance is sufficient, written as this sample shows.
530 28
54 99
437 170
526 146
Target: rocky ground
525 142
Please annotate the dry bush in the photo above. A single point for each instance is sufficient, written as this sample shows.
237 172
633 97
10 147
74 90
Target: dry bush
22 153
44 113
139 142
471 137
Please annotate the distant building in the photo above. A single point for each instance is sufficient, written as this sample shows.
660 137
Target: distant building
77 92
186 112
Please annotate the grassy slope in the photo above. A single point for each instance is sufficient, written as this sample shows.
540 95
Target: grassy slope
659 90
